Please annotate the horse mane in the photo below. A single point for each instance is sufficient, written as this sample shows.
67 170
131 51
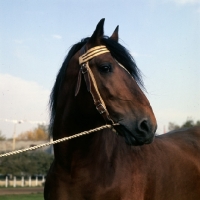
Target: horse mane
119 52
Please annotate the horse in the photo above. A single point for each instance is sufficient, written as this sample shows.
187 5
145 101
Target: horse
99 83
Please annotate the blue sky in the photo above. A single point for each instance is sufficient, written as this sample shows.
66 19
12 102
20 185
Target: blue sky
35 36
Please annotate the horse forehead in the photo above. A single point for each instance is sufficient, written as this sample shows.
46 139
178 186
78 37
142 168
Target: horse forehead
106 57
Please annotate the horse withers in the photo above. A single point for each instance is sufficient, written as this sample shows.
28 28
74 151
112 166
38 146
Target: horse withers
98 84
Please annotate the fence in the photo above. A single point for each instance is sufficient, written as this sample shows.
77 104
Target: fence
22 181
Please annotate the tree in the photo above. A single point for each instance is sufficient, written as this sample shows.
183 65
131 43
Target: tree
39 133
2 137
198 123
187 124
173 126
28 163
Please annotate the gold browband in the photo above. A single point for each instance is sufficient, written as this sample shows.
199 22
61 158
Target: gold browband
95 51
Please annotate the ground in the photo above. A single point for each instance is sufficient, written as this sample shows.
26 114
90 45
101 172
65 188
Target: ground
31 190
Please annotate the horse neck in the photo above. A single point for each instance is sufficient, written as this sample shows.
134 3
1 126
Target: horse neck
72 118
89 151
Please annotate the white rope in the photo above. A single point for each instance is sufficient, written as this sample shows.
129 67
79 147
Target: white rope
57 141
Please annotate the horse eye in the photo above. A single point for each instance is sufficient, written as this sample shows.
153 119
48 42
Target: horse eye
105 68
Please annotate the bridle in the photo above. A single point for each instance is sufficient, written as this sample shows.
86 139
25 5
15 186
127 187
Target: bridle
90 79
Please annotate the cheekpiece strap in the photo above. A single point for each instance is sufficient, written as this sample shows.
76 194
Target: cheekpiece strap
90 79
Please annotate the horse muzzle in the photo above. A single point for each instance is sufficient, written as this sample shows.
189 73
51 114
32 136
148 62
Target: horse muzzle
138 133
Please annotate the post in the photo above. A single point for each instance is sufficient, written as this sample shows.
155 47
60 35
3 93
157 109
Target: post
22 183
29 181
14 181
43 180
6 181
14 135
36 181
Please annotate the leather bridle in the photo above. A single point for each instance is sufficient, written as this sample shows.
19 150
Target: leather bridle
90 81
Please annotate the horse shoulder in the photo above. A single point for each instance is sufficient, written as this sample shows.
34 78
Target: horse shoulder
175 153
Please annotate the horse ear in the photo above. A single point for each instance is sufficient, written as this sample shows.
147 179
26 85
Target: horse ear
115 35
98 33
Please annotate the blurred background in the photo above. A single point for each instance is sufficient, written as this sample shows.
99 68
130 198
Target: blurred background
162 35
35 36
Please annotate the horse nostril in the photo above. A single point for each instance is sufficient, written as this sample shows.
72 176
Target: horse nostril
143 126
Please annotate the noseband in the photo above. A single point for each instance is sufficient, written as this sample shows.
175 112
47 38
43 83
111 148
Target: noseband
90 80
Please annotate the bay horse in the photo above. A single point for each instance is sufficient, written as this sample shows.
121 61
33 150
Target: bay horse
99 83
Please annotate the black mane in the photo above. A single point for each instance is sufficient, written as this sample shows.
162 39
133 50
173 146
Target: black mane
120 53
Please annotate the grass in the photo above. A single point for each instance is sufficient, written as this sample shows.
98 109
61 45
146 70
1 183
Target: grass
22 197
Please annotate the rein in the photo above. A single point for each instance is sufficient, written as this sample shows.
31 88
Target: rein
60 140
90 80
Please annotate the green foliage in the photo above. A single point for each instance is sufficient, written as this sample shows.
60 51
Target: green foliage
28 163
198 123
187 124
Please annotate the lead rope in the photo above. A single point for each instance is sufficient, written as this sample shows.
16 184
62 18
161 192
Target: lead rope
59 140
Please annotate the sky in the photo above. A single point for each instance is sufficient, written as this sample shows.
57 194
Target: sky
35 36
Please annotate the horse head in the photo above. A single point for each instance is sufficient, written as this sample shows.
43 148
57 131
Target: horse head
102 72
